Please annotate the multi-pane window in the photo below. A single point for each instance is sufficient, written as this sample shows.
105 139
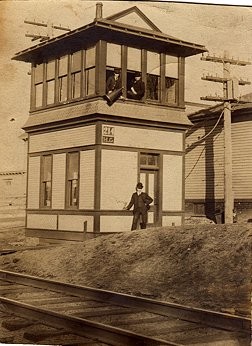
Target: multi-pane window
73 76
133 65
72 192
50 82
63 70
38 84
114 58
90 71
171 79
46 181
114 55
153 76
76 74
148 160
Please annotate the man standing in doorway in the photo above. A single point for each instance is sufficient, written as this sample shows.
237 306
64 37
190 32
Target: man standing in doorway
141 201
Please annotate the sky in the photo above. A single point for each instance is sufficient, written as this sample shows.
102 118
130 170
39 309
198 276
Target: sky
218 27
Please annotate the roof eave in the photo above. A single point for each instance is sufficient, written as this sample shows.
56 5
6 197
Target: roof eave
102 27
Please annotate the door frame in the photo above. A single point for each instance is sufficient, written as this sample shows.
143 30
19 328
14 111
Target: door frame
153 165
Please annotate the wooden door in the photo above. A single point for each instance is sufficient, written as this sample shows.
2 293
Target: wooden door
149 179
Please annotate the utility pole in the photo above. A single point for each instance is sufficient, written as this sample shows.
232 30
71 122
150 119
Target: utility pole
228 169
230 93
49 32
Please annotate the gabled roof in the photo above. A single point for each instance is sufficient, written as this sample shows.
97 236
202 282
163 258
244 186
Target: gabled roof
135 17
112 30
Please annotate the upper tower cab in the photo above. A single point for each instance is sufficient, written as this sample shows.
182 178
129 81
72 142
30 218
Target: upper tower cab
76 66
107 112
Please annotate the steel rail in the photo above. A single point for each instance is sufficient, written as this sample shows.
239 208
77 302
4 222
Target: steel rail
202 316
80 326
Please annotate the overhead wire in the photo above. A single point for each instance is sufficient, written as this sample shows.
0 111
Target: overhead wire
200 140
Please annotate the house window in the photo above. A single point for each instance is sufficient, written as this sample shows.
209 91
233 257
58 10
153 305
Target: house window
153 76
72 180
148 161
171 79
50 82
114 55
133 65
38 84
76 74
63 70
46 181
90 71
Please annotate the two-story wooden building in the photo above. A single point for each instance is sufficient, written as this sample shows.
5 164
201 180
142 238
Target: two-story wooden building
85 156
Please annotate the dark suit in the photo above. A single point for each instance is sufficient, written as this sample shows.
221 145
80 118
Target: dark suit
113 84
139 88
141 205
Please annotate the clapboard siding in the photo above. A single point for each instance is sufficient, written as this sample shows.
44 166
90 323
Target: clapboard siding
147 138
204 164
77 223
87 179
33 182
172 182
42 221
115 223
118 178
242 159
58 181
68 138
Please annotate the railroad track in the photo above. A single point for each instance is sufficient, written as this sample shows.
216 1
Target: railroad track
117 319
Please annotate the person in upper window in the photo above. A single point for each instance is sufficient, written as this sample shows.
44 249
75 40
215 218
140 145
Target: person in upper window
114 81
137 89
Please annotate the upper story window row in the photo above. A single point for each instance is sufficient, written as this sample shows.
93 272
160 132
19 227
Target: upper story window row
84 74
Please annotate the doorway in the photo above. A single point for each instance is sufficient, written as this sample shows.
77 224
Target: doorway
149 177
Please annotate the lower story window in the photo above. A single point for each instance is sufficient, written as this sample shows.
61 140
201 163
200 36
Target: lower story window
46 181
72 180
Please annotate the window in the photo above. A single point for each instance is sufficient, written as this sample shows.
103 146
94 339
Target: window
38 83
90 71
114 55
76 74
46 181
171 79
133 65
153 76
148 161
63 70
50 82
72 180
114 58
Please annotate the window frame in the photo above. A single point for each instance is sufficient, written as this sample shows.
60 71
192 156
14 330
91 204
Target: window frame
35 84
100 68
147 166
48 80
68 193
73 73
43 182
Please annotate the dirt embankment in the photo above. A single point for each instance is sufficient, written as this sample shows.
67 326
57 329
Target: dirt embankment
206 266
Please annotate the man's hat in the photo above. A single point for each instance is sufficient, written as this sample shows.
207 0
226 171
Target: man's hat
137 74
139 186
117 70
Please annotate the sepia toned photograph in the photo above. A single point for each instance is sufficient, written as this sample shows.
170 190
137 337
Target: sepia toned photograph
125 173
